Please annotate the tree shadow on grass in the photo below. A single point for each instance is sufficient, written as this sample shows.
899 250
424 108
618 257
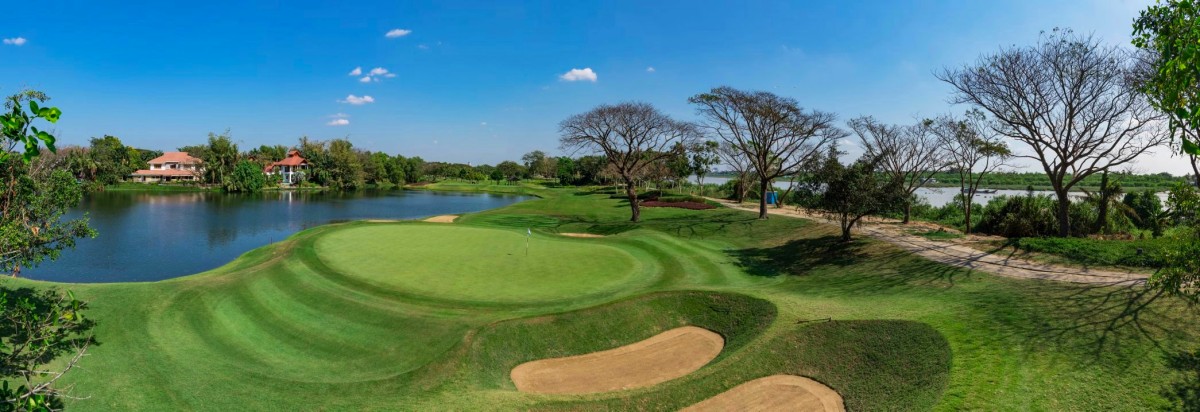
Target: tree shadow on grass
1185 393
797 257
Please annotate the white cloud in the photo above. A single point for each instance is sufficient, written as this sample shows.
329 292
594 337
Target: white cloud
365 79
650 69
357 71
338 122
357 101
394 33
378 71
339 115
16 41
585 74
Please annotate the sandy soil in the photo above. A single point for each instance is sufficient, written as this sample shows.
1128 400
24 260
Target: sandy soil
959 254
587 235
663 357
774 393
441 219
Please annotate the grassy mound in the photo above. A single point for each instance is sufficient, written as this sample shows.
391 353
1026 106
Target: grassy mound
477 265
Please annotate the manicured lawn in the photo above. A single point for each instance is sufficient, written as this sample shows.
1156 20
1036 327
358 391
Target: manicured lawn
479 265
351 317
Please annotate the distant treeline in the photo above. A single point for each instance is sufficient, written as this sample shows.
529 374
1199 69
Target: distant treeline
1039 181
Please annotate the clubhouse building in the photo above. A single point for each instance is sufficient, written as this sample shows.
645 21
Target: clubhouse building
171 167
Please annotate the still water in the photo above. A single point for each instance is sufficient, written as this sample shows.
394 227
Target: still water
155 236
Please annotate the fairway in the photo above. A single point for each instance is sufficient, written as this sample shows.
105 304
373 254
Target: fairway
477 265
437 316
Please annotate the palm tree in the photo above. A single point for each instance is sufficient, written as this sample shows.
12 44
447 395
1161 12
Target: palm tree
1108 197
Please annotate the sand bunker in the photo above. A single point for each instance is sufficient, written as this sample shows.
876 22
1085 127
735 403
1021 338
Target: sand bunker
587 235
441 219
775 393
665 356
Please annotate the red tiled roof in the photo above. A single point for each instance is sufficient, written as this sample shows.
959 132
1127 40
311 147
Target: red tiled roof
293 159
166 172
175 157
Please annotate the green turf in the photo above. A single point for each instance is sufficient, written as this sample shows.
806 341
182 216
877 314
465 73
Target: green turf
479 265
298 326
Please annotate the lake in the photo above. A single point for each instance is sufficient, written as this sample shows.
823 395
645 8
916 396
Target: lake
941 196
154 236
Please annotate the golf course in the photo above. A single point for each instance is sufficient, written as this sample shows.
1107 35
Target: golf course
499 310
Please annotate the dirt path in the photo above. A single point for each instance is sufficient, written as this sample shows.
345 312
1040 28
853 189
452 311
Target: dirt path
966 256
662 357
774 393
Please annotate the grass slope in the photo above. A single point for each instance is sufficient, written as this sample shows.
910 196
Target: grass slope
280 329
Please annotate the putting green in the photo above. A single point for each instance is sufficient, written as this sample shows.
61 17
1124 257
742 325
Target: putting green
477 265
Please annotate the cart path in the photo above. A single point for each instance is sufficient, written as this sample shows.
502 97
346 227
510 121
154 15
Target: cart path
965 256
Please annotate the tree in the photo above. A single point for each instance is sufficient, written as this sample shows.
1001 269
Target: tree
772 132
565 170
247 176
39 326
510 170
972 150
632 136
1149 211
220 157
910 154
535 163
702 156
345 171
1072 101
847 193
590 168
1170 32
112 159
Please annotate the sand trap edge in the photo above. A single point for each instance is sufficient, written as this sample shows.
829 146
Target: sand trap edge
775 393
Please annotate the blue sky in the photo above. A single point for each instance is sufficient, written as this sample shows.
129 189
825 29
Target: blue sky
482 81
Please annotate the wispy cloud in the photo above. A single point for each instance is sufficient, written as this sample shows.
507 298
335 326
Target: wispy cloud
357 101
423 46
15 41
575 75
650 69
365 79
338 122
356 72
339 115
374 75
378 71
394 33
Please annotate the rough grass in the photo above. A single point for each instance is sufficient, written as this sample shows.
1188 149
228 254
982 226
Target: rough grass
278 329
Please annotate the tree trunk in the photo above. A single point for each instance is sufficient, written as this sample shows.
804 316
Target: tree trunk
907 211
1064 207
762 199
847 224
967 212
1101 224
631 192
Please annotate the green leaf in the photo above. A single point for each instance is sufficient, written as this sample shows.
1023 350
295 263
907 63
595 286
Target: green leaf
51 115
33 106
1182 113
1189 147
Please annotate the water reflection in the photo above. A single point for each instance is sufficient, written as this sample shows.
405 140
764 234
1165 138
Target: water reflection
153 236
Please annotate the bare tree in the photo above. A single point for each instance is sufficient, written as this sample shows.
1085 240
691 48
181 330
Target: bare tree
1073 101
972 149
774 134
633 137
908 154
740 165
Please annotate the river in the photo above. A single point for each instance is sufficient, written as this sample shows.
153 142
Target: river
154 236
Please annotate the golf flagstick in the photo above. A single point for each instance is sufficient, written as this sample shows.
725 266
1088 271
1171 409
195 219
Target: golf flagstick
528 234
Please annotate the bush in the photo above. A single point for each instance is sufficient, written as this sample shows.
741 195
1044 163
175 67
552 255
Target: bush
1019 216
